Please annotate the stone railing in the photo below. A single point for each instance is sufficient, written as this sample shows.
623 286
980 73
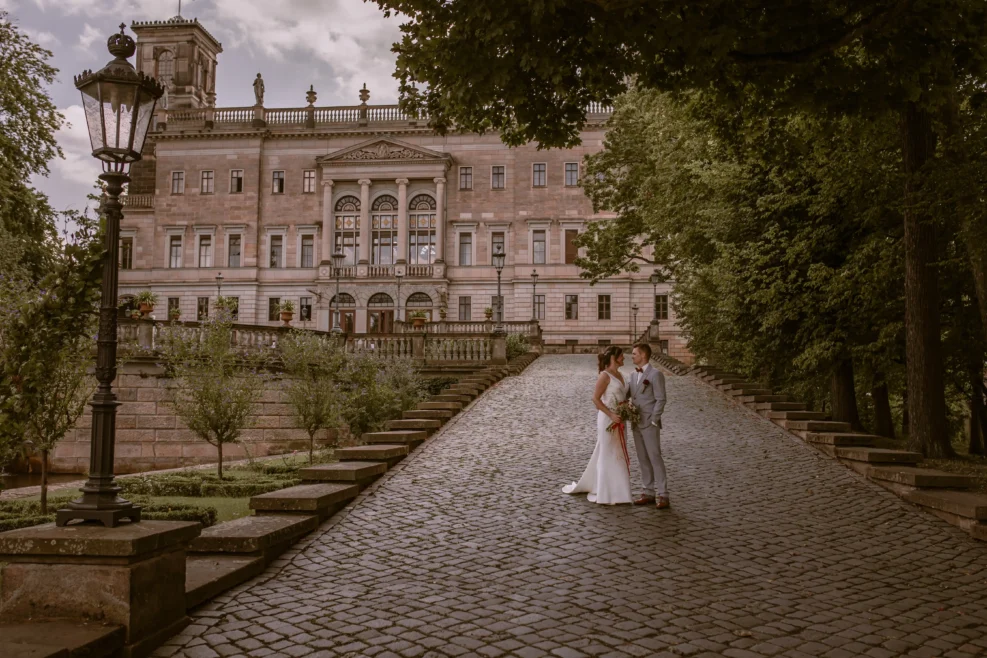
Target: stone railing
147 335
420 270
529 328
138 200
380 270
456 348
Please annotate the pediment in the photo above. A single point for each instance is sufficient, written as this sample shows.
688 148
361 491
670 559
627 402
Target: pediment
383 150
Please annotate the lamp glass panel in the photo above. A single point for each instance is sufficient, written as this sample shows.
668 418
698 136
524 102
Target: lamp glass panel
117 108
91 105
144 116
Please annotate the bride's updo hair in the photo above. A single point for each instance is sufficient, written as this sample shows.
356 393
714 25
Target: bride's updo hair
603 358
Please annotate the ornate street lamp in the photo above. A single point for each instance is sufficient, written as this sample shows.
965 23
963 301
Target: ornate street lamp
498 262
399 274
634 310
119 104
219 286
337 268
534 297
655 279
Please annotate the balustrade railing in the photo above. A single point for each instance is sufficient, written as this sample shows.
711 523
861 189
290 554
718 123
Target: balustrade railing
420 270
346 114
529 328
385 346
234 115
286 116
187 116
471 348
138 200
381 270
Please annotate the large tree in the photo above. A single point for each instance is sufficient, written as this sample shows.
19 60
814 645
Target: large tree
530 69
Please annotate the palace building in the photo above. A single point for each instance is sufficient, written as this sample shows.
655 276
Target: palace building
251 203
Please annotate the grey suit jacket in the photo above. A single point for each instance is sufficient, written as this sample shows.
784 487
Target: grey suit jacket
648 397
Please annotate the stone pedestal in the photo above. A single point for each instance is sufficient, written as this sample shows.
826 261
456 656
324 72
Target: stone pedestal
132 575
498 356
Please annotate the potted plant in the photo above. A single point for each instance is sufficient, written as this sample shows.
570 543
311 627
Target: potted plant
488 313
287 308
135 314
418 319
145 300
442 313
174 314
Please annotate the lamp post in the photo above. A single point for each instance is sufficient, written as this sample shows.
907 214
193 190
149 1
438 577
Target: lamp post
119 105
534 296
337 267
219 286
634 310
498 262
399 274
654 279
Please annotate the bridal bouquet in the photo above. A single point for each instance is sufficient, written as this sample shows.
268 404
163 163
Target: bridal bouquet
628 412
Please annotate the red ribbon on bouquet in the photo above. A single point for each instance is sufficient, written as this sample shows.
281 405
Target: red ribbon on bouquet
619 428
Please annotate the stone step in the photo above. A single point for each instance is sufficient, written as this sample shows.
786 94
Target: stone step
964 504
878 455
441 406
922 478
465 389
323 500
470 383
838 439
361 474
208 576
735 386
745 392
429 425
259 536
487 380
814 425
979 531
390 454
60 639
410 438
434 414
728 379
793 415
780 406
757 398
451 397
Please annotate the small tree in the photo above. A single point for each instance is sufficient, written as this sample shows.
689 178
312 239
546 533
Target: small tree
217 387
379 390
61 401
314 366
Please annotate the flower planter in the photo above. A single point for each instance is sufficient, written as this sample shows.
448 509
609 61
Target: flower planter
417 323
146 309
286 317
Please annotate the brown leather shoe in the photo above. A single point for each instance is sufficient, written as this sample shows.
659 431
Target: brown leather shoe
644 500
662 502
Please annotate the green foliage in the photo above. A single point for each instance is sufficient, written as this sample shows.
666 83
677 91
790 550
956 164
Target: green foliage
199 484
379 390
286 306
517 344
25 513
145 297
314 368
435 385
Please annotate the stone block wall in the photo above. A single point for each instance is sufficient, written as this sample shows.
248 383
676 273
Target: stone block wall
150 436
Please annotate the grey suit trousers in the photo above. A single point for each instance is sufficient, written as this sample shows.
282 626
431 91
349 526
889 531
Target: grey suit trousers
647 441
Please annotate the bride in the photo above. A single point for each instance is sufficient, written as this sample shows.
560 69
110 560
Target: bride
607 477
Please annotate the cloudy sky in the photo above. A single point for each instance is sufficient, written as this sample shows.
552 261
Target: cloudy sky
336 45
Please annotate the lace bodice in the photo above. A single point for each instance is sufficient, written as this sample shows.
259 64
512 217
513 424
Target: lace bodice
615 393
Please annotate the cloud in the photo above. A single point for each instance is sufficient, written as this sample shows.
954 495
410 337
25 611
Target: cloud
42 38
79 166
89 36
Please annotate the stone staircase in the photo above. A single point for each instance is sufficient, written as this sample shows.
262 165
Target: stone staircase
230 553
874 457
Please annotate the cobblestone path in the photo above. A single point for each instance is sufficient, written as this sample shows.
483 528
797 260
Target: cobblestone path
471 549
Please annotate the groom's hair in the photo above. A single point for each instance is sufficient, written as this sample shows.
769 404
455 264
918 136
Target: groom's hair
645 348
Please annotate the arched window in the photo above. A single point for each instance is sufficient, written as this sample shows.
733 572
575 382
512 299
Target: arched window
347 233
421 230
419 300
381 300
380 314
345 299
347 311
165 67
384 230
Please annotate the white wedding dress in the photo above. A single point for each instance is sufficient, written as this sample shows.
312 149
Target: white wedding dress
606 479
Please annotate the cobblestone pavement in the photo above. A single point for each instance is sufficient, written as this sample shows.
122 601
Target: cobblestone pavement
471 549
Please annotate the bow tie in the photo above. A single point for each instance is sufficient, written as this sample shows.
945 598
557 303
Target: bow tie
638 369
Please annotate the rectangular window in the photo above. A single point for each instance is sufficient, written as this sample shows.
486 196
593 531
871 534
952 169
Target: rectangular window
208 185
661 307
538 245
308 251
178 182
202 309
234 256
603 307
205 251
274 309
497 304
175 251
304 308
126 253
174 305
539 175
236 181
466 178
571 252
540 307
233 303
278 182
465 311
498 177
571 307
465 249
496 242
663 346
277 251
571 174
308 181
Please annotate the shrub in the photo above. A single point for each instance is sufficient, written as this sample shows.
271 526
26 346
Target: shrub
517 345
244 489
435 385
166 512
15 522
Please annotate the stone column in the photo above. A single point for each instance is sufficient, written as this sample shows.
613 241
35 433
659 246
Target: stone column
364 220
440 219
328 228
402 220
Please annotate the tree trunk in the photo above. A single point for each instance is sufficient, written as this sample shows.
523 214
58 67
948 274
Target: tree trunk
311 447
219 466
976 445
924 365
905 428
883 422
44 483
843 395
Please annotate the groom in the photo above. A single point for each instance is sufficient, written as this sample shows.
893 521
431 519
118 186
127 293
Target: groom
647 391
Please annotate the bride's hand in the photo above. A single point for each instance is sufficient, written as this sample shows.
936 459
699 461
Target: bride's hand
614 417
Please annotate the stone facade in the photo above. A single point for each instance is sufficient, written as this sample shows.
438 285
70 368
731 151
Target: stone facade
266 196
